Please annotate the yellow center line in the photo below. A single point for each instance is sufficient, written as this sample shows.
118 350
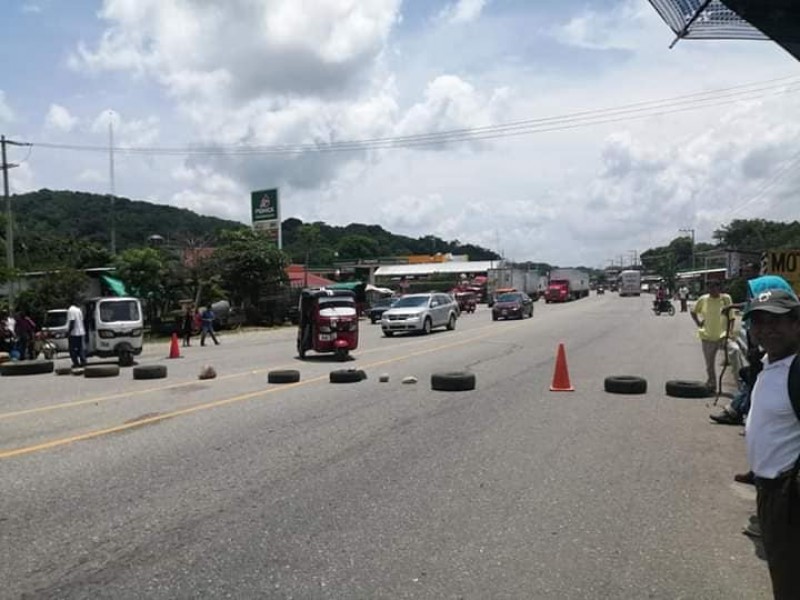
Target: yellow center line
213 404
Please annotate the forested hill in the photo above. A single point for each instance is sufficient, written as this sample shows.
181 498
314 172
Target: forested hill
45 218
62 228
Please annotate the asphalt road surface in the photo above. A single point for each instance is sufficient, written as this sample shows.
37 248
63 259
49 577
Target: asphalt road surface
232 487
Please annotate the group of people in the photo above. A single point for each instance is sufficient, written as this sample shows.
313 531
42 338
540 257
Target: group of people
769 342
194 321
18 335
662 295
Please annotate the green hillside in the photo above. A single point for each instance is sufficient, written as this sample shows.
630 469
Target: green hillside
63 228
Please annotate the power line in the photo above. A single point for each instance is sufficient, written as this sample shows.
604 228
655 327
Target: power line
772 182
639 110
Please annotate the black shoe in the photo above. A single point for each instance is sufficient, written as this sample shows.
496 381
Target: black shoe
752 529
727 418
749 478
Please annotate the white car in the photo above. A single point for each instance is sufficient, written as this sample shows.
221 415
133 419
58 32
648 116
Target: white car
420 313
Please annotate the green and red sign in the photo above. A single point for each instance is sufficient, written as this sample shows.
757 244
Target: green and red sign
266 214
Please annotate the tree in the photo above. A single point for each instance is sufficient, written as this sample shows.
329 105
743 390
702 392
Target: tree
758 235
57 289
357 246
308 236
142 270
250 265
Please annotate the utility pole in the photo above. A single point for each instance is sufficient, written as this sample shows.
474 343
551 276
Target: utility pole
111 183
690 231
5 166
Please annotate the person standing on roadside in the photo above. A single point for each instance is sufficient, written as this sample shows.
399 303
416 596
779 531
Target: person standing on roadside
76 331
773 437
712 324
208 317
187 324
25 332
683 296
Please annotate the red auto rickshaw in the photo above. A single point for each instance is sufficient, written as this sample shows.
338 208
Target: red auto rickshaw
328 322
467 302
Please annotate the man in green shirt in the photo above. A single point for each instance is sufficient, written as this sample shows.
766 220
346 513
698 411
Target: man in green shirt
712 323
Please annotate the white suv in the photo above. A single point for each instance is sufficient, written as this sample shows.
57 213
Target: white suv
420 312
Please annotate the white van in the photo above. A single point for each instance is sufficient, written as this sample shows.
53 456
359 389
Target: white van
55 328
114 328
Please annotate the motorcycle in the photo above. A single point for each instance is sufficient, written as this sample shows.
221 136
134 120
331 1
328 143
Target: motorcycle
663 306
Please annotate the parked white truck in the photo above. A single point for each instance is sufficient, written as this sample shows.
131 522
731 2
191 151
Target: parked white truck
630 283
567 284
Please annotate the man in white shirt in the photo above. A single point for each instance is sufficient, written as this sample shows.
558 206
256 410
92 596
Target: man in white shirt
683 295
773 437
77 331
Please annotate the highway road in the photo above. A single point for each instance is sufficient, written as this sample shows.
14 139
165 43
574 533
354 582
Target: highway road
232 487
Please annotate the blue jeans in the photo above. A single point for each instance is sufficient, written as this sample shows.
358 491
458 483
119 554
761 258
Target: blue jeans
77 351
741 399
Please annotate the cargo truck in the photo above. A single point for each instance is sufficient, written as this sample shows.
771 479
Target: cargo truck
522 280
630 283
567 284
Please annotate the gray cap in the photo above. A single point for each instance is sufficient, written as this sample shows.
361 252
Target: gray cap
777 302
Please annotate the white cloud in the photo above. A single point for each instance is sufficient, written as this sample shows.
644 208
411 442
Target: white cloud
60 119
31 7
22 179
209 192
620 27
261 72
92 176
251 47
127 133
462 11
6 114
452 103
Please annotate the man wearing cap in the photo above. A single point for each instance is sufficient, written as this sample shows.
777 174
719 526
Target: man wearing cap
712 323
737 410
773 437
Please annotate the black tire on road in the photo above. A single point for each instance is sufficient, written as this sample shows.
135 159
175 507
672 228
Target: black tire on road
97 371
150 372
625 384
427 326
346 376
126 358
388 333
63 371
456 381
451 323
687 389
283 376
26 367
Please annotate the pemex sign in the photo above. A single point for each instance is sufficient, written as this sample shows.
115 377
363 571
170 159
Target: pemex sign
266 214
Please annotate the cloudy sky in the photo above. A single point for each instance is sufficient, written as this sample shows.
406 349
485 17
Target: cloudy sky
221 98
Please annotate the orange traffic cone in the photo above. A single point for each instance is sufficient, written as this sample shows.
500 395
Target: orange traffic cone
561 374
174 350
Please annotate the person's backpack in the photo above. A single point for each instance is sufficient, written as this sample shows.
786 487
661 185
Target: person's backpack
794 384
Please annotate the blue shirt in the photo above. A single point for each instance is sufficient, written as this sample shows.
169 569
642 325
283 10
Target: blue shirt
208 320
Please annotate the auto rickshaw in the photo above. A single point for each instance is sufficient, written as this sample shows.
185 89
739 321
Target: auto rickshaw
467 302
328 322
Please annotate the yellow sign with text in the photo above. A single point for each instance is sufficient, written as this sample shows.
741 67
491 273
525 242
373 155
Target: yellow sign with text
785 263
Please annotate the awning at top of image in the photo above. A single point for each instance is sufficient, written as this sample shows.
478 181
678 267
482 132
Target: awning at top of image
777 20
